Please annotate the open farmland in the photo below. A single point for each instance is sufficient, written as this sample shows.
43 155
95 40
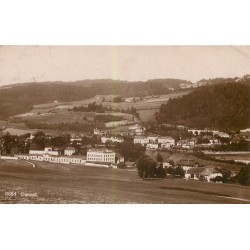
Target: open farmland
55 183
146 107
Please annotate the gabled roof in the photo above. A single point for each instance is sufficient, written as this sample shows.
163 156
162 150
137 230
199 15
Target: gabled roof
195 170
209 171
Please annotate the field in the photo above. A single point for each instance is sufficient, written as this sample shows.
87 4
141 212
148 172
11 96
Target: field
236 156
54 183
146 107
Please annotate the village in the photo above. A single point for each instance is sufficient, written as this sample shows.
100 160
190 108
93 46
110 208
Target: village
105 149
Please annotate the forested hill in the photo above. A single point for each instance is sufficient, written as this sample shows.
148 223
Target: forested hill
19 98
224 106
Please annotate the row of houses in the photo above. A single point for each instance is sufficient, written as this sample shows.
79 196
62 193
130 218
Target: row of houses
202 173
48 150
95 157
155 141
214 132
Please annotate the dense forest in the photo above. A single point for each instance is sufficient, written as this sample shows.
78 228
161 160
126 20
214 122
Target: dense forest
224 106
19 98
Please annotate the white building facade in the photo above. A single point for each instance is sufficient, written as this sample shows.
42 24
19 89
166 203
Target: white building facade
101 155
48 151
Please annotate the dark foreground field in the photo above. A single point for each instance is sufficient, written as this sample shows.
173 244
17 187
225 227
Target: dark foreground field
52 183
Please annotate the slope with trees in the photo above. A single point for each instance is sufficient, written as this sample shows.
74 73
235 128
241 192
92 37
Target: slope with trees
224 106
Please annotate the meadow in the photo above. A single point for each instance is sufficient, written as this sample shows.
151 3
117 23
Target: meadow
58 183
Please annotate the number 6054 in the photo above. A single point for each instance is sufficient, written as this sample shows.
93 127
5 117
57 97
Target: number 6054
10 193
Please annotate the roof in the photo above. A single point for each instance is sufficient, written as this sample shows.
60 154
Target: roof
186 162
196 170
130 163
209 171
140 137
166 137
101 150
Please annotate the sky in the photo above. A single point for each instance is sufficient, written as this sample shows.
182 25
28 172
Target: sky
133 63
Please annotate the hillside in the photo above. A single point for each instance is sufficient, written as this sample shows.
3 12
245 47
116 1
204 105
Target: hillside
224 106
19 98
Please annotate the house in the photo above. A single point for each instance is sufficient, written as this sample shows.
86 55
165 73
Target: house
194 173
141 140
186 164
221 134
189 143
101 155
112 139
96 131
46 150
210 173
76 139
152 145
166 141
139 131
166 164
69 151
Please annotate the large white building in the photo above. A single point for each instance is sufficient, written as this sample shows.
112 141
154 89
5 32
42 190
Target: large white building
48 151
101 155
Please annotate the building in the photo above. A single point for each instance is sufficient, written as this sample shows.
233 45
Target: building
96 131
101 155
112 139
54 159
189 143
247 130
210 173
221 134
166 139
141 140
137 129
47 150
186 164
154 145
194 173
69 151
76 139
167 164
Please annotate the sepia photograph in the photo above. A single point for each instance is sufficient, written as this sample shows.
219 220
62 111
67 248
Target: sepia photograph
124 124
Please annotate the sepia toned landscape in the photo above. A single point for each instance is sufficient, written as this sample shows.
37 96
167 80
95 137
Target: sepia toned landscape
125 139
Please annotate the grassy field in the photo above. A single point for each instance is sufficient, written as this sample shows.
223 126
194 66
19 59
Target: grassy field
55 183
146 108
